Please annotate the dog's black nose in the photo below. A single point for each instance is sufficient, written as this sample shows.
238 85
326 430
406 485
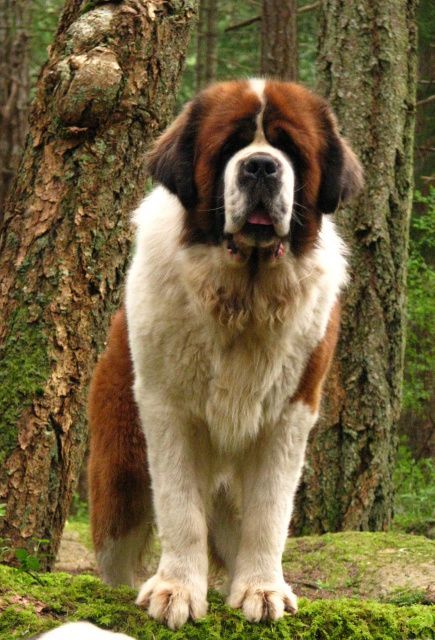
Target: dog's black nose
260 166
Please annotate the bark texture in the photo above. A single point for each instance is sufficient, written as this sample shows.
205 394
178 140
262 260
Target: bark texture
367 64
211 42
108 88
207 44
14 88
279 46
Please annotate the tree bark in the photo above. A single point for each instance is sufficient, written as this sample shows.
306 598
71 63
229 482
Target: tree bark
108 88
206 43
367 65
211 42
200 46
279 46
14 89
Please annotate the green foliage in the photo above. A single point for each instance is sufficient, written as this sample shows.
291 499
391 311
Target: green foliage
79 510
27 561
425 126
29 608
44 18
420 354
414 481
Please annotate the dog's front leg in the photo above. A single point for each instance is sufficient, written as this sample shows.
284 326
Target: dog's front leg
270 476
179 588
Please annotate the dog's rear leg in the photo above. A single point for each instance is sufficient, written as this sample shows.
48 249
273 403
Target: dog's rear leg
119 484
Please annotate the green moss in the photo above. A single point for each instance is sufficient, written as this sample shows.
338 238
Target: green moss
23 374
357 563
29 607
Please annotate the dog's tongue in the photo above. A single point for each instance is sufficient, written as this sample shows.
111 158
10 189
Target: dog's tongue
260 217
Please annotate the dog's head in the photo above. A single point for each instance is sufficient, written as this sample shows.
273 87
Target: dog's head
259 161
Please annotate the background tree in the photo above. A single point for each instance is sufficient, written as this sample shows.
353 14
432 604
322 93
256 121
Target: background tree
14 88
206 43
279 46
418 417
106 90
367 63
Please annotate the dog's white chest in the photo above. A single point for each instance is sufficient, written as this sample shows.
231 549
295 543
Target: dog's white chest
248 388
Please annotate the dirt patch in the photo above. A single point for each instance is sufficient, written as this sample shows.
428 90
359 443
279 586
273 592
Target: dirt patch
73 556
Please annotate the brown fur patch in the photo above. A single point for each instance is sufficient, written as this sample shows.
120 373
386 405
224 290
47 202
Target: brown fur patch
310 386
119 483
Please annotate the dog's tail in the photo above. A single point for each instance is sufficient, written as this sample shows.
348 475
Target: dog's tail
119 483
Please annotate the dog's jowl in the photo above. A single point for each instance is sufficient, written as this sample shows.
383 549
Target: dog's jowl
202 403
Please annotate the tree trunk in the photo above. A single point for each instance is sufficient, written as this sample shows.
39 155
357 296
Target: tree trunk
368 68
206 43
108 88
279 46
211 42
200 46
14 89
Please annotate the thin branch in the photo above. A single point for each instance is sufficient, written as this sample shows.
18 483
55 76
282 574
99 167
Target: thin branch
246 23
428 100
309 7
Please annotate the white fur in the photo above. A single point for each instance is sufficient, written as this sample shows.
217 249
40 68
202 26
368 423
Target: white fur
120 559
82 631
213 383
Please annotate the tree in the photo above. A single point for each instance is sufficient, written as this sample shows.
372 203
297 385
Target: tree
14 89
108 87
279 47
206 43
367 64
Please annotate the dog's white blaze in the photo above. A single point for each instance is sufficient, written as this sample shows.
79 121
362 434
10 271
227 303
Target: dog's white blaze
258 86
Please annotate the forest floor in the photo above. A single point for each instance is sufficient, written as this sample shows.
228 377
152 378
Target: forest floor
383 566
353 586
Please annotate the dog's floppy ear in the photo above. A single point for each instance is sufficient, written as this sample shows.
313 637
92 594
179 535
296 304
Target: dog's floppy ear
342 174
171 159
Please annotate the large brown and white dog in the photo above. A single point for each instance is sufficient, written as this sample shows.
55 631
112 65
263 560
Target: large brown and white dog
230 323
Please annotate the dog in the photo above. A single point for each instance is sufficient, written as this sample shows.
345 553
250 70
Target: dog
82 630
201 406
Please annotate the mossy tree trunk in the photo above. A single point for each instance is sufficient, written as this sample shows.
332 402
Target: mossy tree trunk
279 46
107 89
367 64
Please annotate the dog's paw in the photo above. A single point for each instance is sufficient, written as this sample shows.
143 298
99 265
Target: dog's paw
171 601
263 601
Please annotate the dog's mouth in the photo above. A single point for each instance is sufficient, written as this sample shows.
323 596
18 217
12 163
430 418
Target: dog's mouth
261 217
259 229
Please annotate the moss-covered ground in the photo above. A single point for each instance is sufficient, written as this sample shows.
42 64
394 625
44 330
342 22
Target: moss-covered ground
354 586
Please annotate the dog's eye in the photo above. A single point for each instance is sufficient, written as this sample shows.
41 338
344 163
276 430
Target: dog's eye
284 142
232 145
243 136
